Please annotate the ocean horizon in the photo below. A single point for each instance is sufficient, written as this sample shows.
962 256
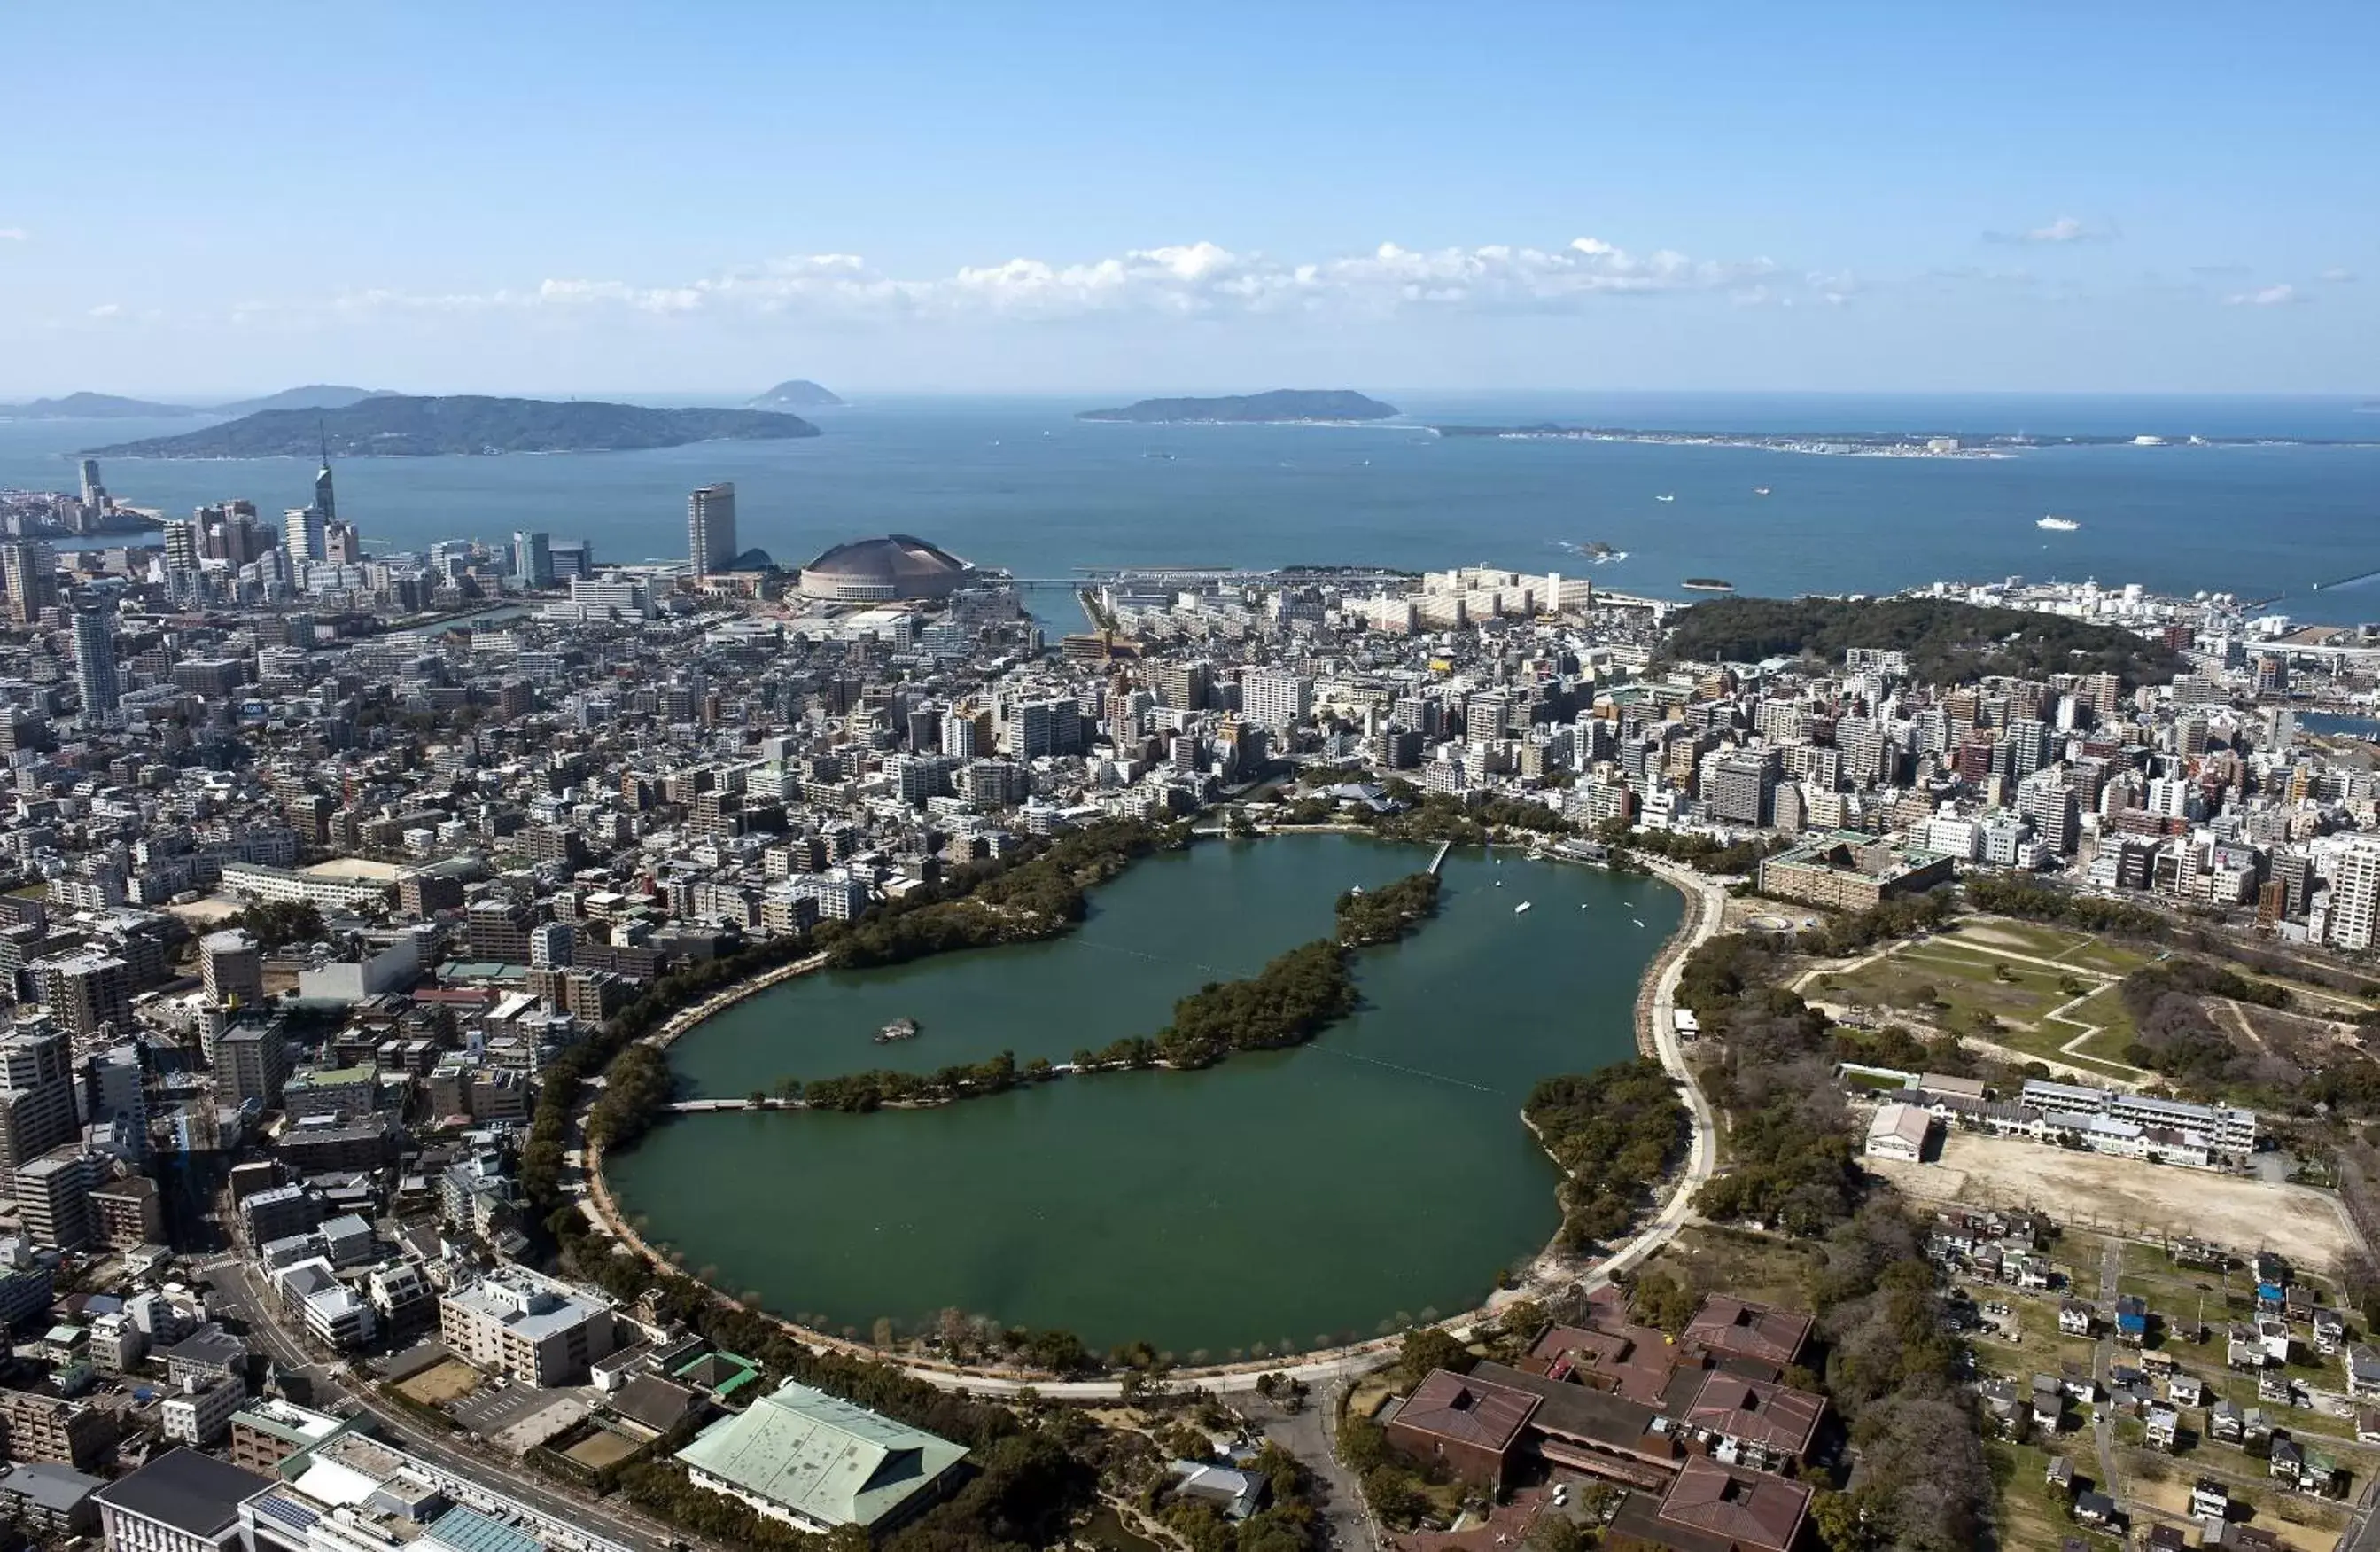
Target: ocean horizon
1018 482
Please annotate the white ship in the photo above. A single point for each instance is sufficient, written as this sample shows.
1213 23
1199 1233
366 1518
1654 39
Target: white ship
2057 524
1520 908
1665 498
1760 490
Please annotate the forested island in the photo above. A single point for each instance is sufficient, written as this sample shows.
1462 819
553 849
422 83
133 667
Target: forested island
1281 404
1947 641
400 425
93 407
794 393
1295 997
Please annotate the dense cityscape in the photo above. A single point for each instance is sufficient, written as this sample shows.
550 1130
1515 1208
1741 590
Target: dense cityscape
355 897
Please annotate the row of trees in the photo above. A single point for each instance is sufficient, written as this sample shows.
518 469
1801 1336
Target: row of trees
2005 894
860 1093
1614 1132
1039 891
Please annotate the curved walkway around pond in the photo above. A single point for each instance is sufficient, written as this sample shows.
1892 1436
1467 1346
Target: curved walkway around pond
1655 1033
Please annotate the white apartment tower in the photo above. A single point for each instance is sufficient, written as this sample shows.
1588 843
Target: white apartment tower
710 528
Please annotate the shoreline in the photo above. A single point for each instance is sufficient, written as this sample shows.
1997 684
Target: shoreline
1548 1269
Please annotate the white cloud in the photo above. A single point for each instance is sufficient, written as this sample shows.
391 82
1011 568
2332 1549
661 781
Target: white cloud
2271 296
107 309
1189 279
2337 275
2066 228
15 233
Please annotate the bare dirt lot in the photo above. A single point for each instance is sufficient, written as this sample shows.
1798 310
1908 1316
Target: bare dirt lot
2128 1196
449 1381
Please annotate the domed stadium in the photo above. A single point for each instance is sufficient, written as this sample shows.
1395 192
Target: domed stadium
878 571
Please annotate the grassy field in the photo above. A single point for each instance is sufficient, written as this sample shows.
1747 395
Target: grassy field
2018 975
1713 1258
2028 1517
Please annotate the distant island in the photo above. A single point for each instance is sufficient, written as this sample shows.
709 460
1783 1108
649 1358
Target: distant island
1281 404
797 393
94 407
399 425
313 396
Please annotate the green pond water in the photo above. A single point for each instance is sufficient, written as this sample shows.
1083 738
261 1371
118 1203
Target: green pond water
1289 1199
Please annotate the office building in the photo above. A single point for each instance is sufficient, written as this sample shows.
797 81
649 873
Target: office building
181 541
710 528
94 495
201 1412
95 676
533 559
1744 788
519 1324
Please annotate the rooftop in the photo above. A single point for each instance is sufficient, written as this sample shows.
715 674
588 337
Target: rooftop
191 1491
821 1457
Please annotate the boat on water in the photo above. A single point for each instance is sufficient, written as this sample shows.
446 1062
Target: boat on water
1520 908
1760 490
1167 456
2057 524
899 1029
1632 918
1670 497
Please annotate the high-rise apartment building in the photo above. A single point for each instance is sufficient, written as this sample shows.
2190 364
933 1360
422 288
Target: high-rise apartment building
94 495
30 570
1744 788
307 532
2046 799
87 992
232 965
533 559
37 1100
2355 897
1275 697
95 676
710 528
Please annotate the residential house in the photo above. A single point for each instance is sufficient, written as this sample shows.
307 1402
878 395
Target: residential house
2132 1319
2224 1422
2362 1369
2161 1427
2075 1317
2209 1500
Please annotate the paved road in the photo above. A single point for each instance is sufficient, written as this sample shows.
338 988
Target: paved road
1306 1435
2103 1358
258 1312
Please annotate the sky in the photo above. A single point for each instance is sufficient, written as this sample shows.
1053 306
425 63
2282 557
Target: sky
1044 197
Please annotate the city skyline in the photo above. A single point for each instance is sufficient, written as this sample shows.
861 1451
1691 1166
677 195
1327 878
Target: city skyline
920 198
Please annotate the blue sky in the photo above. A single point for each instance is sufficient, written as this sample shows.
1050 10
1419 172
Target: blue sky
712 196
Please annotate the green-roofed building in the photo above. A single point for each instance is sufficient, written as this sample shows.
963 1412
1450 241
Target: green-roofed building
816 1461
